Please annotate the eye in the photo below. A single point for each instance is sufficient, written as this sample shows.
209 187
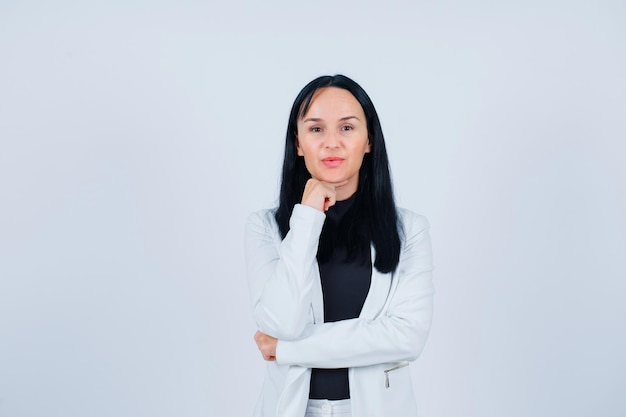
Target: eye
316 129
346 128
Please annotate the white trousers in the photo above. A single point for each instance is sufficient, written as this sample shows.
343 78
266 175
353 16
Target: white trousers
328 408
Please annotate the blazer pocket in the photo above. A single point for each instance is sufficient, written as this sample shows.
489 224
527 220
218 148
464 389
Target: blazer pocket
389 373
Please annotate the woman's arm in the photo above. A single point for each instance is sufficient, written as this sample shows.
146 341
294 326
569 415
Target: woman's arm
281 280
279 276
398 334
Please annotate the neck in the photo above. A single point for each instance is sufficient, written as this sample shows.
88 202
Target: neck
345 191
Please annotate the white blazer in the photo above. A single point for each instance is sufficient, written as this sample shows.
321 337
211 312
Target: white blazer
286 296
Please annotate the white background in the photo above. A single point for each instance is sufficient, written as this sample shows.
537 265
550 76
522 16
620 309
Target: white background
136 136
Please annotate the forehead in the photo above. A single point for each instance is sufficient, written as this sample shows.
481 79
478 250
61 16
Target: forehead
333 103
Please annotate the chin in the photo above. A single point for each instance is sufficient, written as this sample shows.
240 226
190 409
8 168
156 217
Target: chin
334 180
328 179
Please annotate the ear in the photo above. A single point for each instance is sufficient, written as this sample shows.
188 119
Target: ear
298 148
368 149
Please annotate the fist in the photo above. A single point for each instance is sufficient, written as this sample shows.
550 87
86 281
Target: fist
267 345
320 195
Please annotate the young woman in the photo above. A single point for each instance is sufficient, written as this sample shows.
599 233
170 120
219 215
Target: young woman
339 278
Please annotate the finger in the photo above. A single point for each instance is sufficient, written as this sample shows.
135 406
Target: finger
331 200
328 202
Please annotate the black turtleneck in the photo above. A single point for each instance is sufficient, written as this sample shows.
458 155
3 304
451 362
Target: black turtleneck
345 284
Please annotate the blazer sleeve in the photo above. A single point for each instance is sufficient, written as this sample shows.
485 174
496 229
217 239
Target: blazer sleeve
279 274
399 333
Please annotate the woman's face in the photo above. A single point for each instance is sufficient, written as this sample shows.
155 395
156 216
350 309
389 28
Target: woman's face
332 138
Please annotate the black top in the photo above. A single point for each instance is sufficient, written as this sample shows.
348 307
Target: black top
345 284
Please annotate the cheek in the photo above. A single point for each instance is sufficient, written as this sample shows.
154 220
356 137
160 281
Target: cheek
303 150
307 147
307 155
366 148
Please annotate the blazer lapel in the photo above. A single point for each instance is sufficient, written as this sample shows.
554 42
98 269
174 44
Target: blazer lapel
317 297
374 302
378 293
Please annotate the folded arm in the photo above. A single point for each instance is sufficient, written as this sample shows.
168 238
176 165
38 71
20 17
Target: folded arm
399 333
279 274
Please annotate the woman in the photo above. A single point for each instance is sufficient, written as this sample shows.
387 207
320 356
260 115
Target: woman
340 279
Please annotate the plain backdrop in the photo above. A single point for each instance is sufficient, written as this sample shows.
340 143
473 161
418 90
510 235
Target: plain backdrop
136 136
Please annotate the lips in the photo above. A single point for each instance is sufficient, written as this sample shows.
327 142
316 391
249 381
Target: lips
332 161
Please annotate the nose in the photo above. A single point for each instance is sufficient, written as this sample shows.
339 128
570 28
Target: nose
332 140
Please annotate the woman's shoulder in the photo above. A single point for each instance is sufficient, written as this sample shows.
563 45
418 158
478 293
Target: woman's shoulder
264 218
411 220
261 224
263 214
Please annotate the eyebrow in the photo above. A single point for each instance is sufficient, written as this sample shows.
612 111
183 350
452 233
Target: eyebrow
317 119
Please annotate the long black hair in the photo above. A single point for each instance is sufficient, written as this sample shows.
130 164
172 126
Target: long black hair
372 218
